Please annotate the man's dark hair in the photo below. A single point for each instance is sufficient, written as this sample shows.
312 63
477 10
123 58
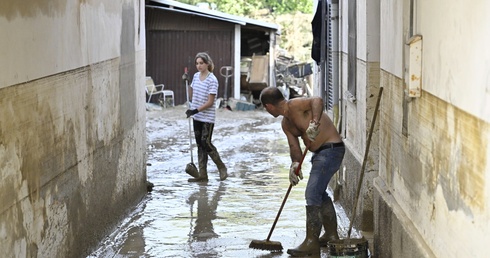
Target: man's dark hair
271 95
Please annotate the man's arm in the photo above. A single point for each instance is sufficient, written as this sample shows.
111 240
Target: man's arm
311 108
295 173
316 109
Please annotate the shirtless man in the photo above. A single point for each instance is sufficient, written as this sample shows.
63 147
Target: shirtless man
304 117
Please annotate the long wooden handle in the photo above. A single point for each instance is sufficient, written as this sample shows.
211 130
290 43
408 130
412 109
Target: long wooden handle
287 194
361 177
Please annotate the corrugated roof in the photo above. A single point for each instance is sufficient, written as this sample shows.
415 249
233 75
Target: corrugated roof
191 9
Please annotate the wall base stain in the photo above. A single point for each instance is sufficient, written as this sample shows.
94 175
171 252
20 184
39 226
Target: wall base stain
70 171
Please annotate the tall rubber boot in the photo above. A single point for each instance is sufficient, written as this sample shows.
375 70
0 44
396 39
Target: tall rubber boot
329 221
223 171
203 166
310 245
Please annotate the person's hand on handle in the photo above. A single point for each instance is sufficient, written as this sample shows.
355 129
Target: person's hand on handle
293 177
191 112
313 131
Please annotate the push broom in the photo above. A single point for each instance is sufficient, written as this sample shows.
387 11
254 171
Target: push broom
190 168
267 244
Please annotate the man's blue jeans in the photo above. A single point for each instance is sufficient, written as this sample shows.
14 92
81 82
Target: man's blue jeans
324 165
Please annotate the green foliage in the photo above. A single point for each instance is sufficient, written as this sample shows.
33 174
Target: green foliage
248 7
238 7
289 6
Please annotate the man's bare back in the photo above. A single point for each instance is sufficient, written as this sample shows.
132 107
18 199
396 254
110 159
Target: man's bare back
297 119
297 114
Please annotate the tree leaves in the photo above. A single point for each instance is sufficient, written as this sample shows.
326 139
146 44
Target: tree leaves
248 7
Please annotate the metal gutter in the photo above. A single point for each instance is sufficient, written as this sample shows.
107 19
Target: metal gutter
190 9
194 13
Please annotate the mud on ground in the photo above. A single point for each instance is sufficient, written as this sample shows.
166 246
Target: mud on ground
217 218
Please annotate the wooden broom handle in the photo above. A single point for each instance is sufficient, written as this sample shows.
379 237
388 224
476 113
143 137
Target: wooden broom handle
287 194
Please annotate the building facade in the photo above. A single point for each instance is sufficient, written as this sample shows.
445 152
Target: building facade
72 123
425 192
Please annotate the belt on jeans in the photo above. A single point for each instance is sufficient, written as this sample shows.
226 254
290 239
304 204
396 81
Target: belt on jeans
329 145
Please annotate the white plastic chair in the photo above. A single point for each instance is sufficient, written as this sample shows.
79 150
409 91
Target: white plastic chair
152 89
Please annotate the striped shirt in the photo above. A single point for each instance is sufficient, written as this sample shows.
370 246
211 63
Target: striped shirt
200 94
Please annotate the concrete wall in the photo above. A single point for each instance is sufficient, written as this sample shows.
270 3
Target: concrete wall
72 123
432 193
428 165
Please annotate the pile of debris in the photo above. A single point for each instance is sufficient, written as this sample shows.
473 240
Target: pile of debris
290 75
293 76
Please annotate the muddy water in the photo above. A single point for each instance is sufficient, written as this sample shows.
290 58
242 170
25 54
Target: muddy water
217 218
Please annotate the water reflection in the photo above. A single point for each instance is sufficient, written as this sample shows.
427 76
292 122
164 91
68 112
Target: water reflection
202 216
134 243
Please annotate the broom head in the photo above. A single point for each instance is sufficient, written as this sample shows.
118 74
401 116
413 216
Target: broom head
191 169
272 246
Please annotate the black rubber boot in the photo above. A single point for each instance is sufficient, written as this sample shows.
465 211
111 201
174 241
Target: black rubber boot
203 167
223 171
329 221
310 245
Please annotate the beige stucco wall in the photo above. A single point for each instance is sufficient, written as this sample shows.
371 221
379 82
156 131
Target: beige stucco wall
357 115
72 121
435 177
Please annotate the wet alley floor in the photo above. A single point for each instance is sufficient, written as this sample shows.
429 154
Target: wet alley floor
216 218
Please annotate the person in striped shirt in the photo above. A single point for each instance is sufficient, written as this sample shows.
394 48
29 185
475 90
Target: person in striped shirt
202 92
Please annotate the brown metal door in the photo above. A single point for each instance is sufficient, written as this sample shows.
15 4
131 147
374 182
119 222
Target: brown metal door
168 52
